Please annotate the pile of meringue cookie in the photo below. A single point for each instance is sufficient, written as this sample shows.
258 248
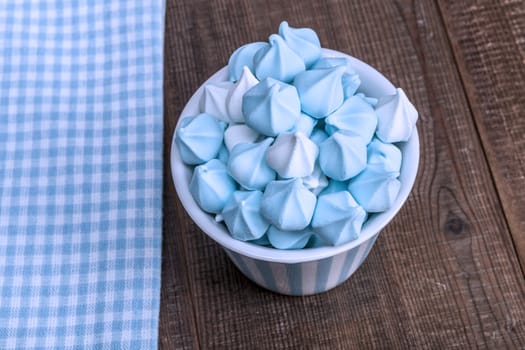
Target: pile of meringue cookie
288 153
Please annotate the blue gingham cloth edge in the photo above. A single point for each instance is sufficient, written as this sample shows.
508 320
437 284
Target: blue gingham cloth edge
80 173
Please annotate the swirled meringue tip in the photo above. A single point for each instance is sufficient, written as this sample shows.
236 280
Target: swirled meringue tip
242 57
342 155
277 61
396 116
242 215
213 100
320 90
288 239
239 133
199 138
303 41
385 155
292 155
355 116
271 107
211 186
288 205
375 189
236 93
338 218
247 165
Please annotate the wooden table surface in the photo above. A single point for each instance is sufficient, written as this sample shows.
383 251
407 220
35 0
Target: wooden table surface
446 272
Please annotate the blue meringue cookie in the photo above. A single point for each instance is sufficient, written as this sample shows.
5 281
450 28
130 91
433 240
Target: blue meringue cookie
354 115
288 239
213 100
351 83
350 79
247 165
199 138
317 181
277 61
243 56
396 117
306 124
292 155
342 155
320 90
375 189
242 215
303 41
386 155
338 218
372 101
330 62
211 186
318 135
334 186
288 205
239 133
271 107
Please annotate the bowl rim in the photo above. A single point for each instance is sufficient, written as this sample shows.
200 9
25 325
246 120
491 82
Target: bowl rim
218 232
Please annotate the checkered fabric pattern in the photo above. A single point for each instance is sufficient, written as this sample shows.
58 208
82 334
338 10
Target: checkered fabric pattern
80 173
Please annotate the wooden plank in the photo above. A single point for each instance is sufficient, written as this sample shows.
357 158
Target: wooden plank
443 274
488 38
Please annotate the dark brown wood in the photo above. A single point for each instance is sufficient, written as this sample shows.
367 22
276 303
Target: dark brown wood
443 274
488 38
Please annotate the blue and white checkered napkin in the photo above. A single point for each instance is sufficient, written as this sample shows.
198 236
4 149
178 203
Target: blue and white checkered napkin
80 173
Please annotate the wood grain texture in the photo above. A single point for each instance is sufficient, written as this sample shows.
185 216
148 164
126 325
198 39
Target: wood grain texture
443 274
488 38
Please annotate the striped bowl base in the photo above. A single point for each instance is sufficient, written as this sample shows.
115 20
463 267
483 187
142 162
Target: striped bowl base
305 278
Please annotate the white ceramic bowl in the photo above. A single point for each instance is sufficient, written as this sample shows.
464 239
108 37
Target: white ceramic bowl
303 271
